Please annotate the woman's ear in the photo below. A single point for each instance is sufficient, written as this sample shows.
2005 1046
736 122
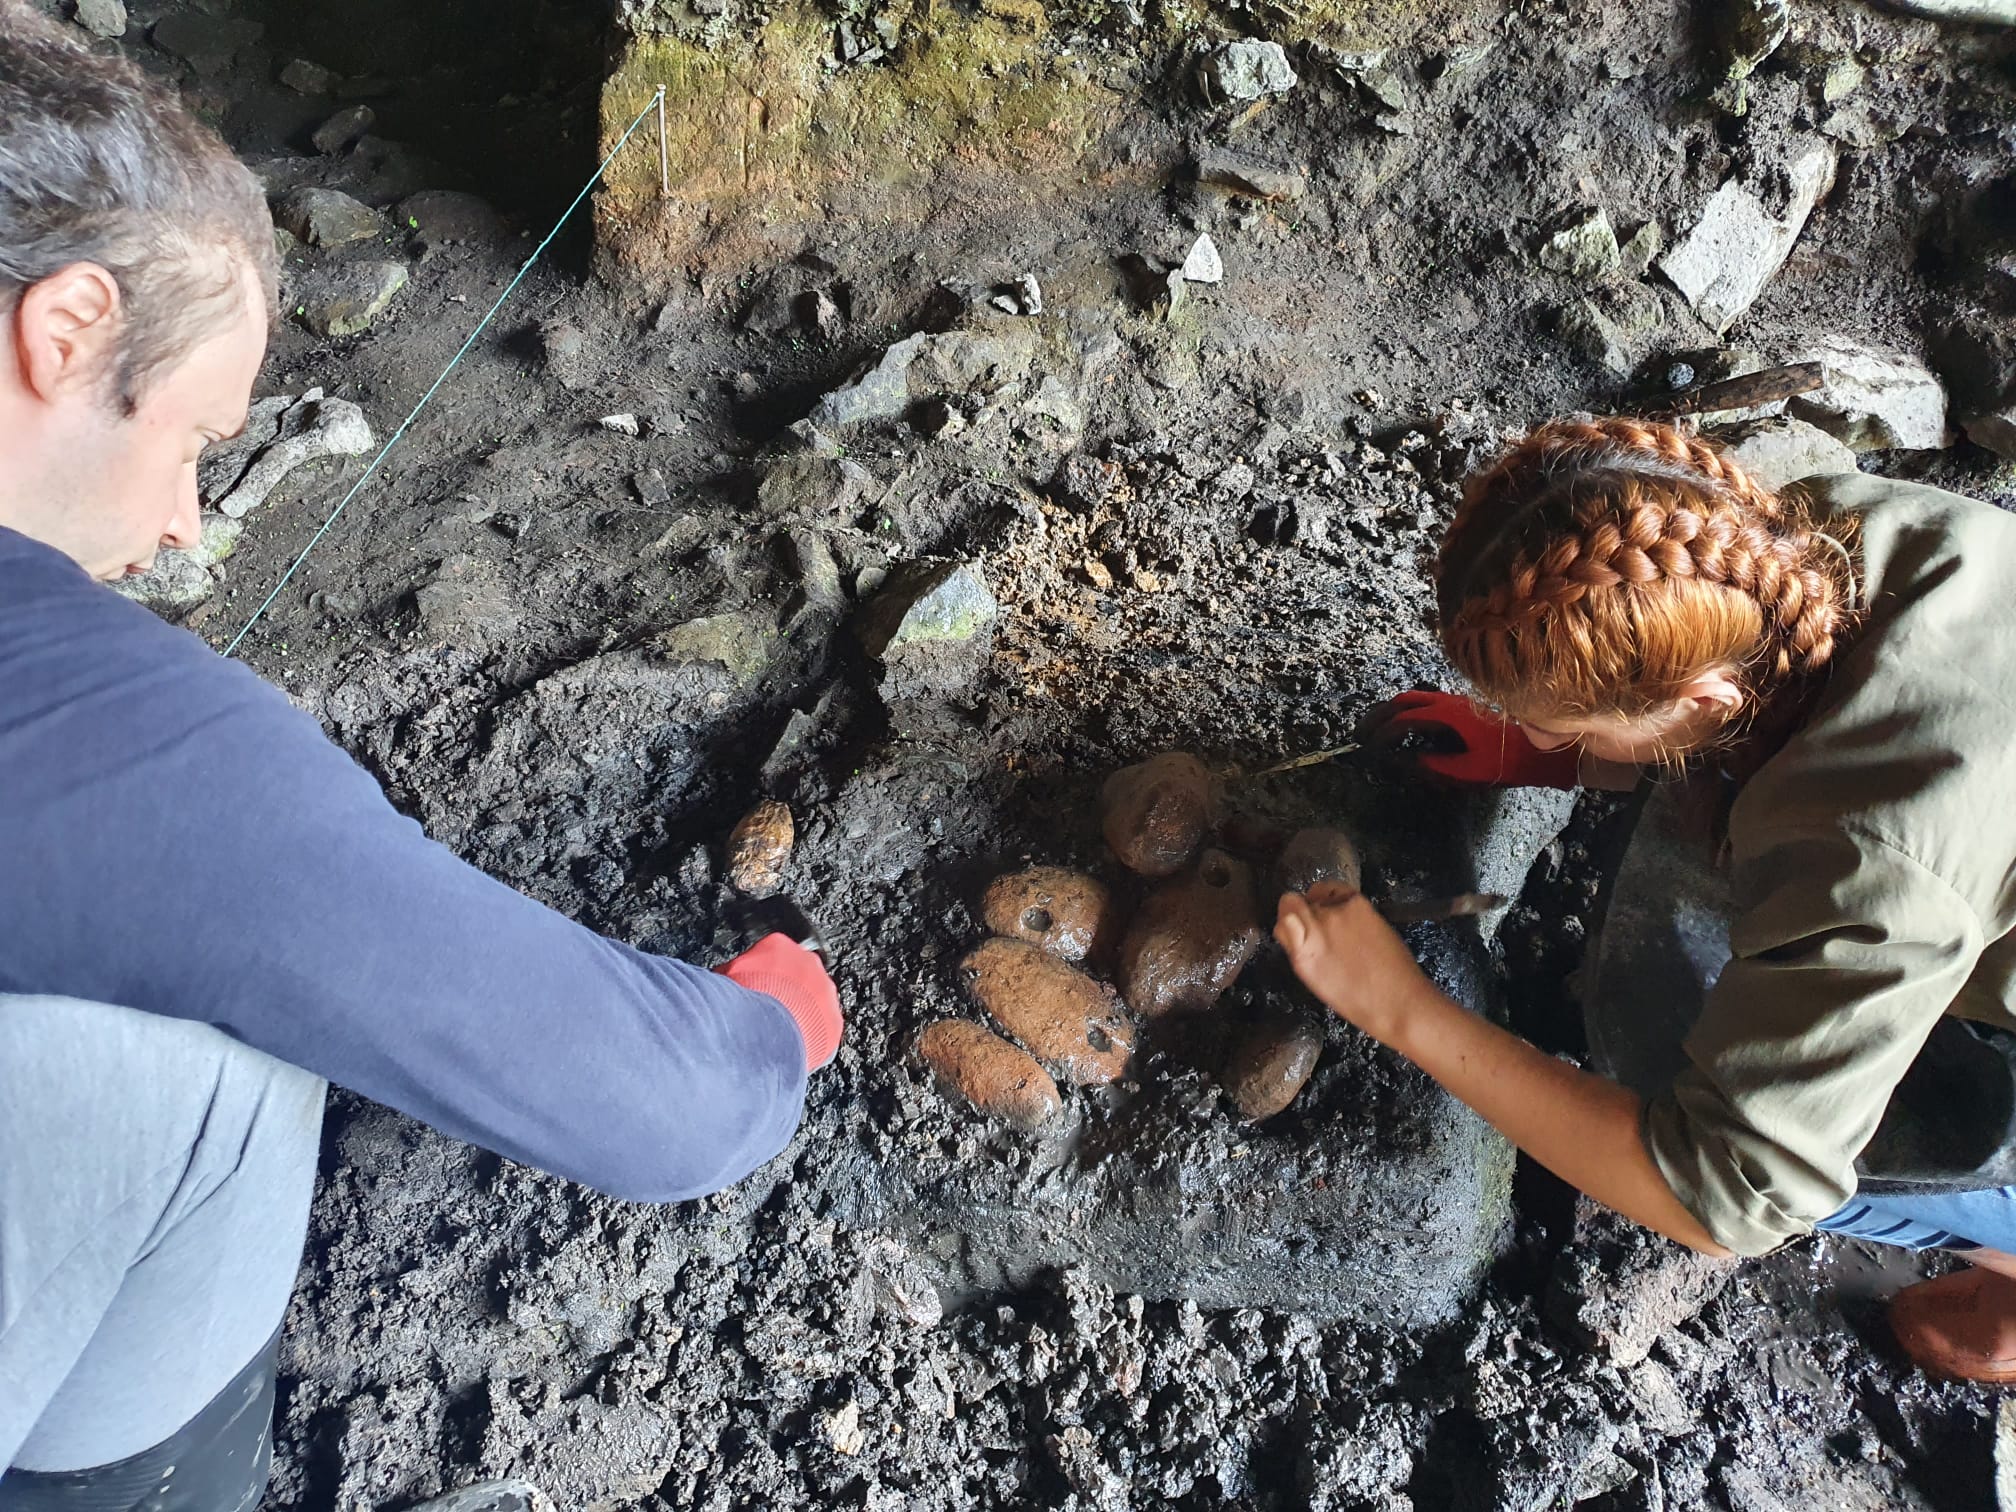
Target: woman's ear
1713 694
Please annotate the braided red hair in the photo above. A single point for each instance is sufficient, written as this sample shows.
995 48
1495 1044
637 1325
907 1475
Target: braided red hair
1601 565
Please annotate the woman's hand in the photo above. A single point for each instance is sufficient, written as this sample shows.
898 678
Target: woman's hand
1352 959
1468 747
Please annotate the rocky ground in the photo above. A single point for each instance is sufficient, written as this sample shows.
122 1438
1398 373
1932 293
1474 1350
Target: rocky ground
612 589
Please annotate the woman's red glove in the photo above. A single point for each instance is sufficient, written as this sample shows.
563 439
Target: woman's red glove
780 967
1476 749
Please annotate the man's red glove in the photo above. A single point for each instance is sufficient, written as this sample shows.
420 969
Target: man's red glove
780 967
1475 749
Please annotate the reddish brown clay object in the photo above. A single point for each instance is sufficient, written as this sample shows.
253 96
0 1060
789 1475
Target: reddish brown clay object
1157 812
1191 939
1272 1065
1067 1020
993 1075
758 848
1317 855
1064 912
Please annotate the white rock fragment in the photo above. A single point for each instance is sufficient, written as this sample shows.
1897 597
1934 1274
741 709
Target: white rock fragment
1585 251
1204 265
1248 70
281 434
1875 401
102 18
624 424
1784 449
843 1429
1738 245
180 580
1979 12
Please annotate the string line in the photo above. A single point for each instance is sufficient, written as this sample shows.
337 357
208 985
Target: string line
365 476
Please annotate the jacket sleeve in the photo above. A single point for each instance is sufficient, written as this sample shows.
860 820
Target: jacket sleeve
190 844
1842 965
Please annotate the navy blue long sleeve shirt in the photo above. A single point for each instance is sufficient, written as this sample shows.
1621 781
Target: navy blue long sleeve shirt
176 837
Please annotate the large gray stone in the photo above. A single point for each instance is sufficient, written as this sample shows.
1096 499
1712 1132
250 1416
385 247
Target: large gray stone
1784 449
1586 250
280 434
326 217
1738 245
207 44
344 300
1996 431
1875 401
1977 12
984 359
180 580
102 18
490 1496
742 644
1248 70
931 627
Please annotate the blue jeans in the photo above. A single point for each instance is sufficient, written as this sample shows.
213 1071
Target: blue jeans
1935 1220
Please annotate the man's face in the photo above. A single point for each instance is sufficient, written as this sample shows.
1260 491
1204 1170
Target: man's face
129 488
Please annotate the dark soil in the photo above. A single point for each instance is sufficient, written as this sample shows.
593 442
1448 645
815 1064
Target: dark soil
1287 447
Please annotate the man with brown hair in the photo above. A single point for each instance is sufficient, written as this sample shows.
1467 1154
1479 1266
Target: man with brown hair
206 909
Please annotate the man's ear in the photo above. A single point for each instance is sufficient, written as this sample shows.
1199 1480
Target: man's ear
66 330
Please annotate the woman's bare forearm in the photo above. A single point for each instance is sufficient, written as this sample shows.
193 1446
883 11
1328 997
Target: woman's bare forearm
1584 1128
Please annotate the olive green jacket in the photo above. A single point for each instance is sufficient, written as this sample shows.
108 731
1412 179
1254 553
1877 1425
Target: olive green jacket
1873 867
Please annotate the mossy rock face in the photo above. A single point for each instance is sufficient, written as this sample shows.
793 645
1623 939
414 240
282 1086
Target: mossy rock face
760 131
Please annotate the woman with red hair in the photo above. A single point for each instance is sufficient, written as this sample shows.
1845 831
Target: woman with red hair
1818 689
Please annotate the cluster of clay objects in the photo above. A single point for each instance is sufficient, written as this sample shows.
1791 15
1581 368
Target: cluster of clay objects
1058 932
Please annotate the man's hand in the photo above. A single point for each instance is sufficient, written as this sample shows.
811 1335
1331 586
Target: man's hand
1466 746
780 967
1351 958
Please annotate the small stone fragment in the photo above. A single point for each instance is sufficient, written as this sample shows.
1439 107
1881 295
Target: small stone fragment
759 847
1636 255
999 1079
344 130
326 217
1248 70
843 1430
1191 939
567 353
1750 31
307 78
624 424
1585 251
1317 855
102 18
1242 173
1273 1064
488 1496
1064 912
1156 812
1067 1019
1204 265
